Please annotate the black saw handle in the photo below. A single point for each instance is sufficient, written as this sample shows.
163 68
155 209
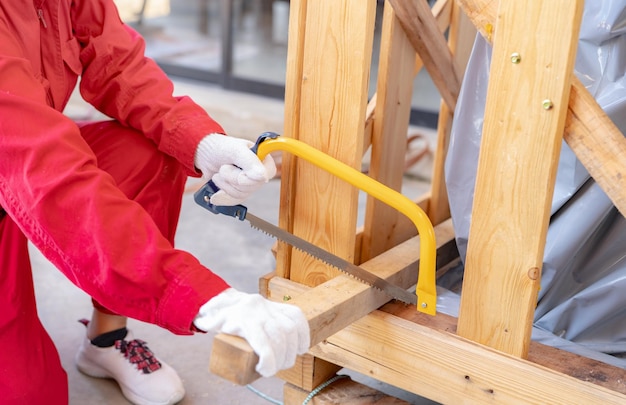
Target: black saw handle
203 196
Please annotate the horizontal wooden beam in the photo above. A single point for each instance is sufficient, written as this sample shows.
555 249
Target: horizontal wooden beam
423 355
333 305
579 367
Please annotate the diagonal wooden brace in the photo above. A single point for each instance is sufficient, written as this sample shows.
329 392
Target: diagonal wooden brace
422 30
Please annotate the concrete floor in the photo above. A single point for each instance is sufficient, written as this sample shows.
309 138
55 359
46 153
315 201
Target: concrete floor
229 247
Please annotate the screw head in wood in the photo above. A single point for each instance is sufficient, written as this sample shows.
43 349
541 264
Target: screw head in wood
424 305
516 58
547 104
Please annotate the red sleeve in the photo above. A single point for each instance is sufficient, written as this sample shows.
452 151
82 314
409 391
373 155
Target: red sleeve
122 83
75 214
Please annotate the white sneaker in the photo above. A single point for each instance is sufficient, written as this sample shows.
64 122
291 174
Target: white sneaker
144 380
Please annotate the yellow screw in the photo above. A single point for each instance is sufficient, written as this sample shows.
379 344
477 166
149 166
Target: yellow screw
547 104
516 58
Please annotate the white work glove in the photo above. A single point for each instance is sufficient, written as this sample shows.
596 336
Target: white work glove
277 332
233 167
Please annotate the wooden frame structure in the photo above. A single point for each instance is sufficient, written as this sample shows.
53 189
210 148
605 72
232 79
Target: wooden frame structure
486 355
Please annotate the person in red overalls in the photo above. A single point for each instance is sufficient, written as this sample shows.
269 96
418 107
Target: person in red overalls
101 201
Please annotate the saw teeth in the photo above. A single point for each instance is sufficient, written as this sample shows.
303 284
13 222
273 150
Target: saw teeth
318 259
328 263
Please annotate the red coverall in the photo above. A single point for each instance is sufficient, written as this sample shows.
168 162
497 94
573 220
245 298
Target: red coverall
101 202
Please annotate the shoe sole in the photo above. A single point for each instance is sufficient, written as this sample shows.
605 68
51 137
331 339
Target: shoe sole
95 371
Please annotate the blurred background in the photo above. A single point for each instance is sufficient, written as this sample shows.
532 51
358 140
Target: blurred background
240 45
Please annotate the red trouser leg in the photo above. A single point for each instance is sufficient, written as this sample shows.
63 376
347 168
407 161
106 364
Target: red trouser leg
30 368
154 180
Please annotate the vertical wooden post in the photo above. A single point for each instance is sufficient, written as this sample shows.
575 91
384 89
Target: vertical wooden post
332 74
460 38
389 136
328 61
524 119
293 91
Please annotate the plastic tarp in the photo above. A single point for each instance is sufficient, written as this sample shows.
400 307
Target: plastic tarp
582 301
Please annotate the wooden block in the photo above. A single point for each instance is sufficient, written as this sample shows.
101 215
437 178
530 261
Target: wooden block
309 372
263 283
235 362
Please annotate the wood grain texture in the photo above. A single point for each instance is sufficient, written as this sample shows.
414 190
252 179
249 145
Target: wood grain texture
389 135
338 39
330 306
293 91
516 170
421 29
598 144
589 132
423 355
460 40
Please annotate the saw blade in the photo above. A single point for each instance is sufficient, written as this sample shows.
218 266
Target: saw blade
341 264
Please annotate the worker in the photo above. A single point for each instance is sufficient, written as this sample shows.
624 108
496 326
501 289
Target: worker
101 201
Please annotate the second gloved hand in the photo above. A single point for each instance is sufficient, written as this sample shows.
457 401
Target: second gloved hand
233 167
277 332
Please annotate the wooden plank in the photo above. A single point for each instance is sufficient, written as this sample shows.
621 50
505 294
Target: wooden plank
293 91
330 306
516 171
597 142
460 39
334 86
483 15
422 354
441 12
403 228
579 367
416 18
389 135
449 369
576 366
235 360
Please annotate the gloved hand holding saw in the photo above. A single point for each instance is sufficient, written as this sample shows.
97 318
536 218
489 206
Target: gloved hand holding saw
277 332
233 167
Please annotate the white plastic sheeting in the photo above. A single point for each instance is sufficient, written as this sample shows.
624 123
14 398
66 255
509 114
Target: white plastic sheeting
582 301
